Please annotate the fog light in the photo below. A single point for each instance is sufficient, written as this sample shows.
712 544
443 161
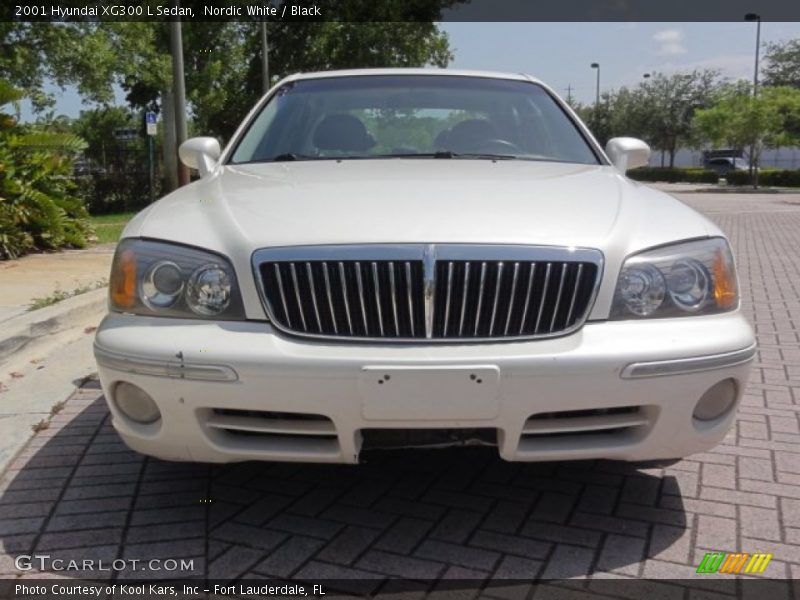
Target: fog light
135 403
717 400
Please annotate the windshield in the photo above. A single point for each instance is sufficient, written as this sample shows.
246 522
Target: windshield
412 116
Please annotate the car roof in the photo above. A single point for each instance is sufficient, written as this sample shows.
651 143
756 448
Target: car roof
408 71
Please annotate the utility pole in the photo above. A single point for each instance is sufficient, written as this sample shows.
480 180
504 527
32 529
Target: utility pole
179 91
264 57
569 94
753 162
170 147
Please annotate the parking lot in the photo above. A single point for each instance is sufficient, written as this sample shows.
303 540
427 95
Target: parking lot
77 492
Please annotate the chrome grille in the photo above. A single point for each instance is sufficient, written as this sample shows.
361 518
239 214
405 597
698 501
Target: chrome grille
347 298
488 299
428 292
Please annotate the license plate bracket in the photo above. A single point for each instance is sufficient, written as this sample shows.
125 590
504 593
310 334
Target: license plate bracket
419 393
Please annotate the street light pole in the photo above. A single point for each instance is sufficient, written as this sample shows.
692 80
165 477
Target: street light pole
757 19
179 91
264 57
753 161
597 88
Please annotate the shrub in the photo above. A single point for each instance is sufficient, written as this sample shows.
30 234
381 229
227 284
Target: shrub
784 178
105 193
38 208
674 175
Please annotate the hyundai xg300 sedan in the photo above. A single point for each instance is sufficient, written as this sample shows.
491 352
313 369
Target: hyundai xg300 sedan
387 258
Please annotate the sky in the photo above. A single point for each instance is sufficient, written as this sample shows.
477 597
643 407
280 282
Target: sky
560 54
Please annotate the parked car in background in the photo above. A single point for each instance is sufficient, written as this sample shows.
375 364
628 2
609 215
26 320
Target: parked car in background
724 161
402 258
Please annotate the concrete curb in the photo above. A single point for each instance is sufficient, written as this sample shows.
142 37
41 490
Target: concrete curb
34 328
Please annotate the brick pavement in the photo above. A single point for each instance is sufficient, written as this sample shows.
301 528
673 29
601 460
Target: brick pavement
76 491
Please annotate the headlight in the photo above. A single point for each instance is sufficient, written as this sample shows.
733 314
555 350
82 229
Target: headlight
209 290
163 279
677 280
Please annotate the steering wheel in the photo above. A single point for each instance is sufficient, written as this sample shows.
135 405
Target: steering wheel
493 146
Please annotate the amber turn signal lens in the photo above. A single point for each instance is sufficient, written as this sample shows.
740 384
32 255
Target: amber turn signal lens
123 280
726 292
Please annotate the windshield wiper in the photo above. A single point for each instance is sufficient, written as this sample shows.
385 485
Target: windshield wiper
482 155
292 156
451 154
289 156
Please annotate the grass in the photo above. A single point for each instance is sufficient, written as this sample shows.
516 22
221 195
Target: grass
60 295
109 227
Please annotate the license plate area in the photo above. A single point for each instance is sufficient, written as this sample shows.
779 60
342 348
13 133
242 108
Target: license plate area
420 393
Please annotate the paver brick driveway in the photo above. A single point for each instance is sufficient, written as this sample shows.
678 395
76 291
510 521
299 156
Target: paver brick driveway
77 492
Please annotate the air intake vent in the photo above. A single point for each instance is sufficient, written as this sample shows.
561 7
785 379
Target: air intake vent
603 428
292 434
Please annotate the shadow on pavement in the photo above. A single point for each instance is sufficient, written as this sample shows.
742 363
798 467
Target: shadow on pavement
77 493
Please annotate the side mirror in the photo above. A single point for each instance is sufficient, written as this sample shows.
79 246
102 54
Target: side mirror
627 153
201 153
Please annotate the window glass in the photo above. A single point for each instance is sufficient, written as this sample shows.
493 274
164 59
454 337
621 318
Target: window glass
376 116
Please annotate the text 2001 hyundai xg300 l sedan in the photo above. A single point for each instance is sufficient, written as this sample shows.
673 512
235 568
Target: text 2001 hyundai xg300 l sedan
420 257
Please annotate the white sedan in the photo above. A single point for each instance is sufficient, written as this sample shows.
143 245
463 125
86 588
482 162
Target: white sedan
412 258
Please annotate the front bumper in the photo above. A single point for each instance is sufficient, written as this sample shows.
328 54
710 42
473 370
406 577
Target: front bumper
234 391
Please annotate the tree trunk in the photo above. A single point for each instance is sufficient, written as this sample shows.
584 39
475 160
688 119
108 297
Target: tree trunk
672 152
754 163
170 147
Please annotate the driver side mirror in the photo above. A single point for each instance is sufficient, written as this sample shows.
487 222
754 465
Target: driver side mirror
201 153
627 153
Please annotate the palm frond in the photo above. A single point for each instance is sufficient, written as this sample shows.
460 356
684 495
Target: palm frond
45 140
8 93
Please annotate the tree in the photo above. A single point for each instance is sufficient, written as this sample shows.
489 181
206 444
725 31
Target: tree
600 117
37 205
63 53
740 120
659 110
667 104
223 60
782 64
103 148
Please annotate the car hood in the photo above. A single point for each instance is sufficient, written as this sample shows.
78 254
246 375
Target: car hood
367 201
238 209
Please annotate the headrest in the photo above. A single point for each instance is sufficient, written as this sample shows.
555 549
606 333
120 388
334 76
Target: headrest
342 132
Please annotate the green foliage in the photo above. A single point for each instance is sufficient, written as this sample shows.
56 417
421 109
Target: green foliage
773 178
37 205
60 295
115 175
659 110
108 193
739 120
64 53
223 60
109 226
673 175
782 64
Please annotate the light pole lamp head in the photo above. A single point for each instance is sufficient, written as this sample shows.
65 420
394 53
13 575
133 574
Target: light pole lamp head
752 17
646 76
595 65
